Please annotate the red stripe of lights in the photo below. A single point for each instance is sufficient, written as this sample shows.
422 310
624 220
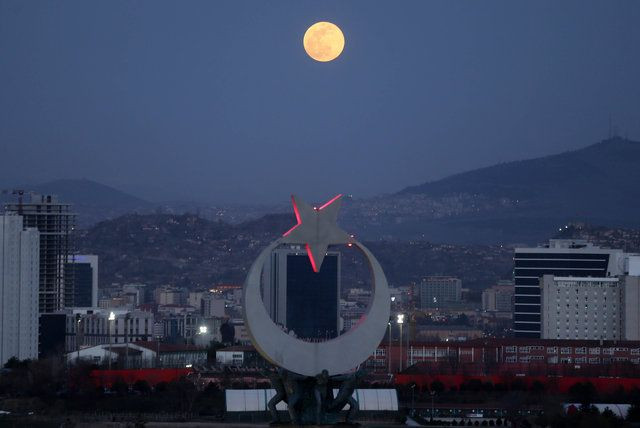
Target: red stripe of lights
295 210
311 259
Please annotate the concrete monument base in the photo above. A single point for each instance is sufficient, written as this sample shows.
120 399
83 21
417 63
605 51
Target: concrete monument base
310 399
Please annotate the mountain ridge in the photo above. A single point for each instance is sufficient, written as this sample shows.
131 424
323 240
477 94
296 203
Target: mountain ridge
520 201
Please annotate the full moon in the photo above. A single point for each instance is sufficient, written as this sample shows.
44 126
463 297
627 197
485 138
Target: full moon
323 41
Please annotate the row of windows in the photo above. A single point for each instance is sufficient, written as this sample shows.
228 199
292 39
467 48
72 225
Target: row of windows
559 272
566 350
528 308
561 264
567 256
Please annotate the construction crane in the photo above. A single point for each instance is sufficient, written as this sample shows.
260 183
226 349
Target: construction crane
19 192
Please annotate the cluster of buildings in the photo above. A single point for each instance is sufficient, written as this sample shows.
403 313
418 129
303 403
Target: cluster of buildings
566 294
572 289
50 302
39 271
165 320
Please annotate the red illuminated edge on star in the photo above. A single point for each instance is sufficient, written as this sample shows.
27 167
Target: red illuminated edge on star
297 212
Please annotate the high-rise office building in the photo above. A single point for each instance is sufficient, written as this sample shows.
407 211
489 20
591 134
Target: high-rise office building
300 299
562 258
55 221
438 291
83 268
19 271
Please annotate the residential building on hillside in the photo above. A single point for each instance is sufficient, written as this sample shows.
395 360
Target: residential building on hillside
168 295
498 298
438 291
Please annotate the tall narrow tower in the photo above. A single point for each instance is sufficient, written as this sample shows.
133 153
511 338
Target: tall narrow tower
55 221
19 256
299 299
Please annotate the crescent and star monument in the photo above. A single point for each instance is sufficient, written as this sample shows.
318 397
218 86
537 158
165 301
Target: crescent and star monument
316 230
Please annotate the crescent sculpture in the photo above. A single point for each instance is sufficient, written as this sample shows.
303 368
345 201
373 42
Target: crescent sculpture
316 230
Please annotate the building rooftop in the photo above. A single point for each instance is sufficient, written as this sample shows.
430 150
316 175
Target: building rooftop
238 348
168 347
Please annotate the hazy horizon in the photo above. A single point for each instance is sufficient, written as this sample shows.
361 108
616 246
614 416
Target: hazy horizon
218 102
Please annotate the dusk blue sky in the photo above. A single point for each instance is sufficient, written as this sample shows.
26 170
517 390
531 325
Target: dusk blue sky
217 101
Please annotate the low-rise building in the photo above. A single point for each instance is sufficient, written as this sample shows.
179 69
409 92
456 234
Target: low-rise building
143 354
95 326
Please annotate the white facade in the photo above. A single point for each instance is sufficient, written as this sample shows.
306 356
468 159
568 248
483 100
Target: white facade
591 308
631 321
92 327
498 298
582 308
213 305
19 289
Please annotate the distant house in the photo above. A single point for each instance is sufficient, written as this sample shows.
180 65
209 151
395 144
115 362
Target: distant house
240 356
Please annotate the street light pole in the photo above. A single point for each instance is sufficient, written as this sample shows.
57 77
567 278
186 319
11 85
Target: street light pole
413 397
389 349
112 317
409 357
433 393
400 320
126 340
78 319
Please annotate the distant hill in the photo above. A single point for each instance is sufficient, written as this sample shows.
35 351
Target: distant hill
190 251
607 237
93 202
510 203
522 201
88 192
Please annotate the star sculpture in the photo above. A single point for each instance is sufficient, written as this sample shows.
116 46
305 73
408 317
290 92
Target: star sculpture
316 228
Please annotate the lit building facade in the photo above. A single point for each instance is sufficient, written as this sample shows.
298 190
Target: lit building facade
590 308
90 327
19 286
437 291
582 308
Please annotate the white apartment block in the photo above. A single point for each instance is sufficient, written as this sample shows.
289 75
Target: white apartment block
19 289
590 308
93 326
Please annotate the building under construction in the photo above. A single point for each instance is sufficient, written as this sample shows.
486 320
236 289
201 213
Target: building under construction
55 221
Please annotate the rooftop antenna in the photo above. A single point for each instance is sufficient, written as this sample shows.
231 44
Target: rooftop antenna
610 128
